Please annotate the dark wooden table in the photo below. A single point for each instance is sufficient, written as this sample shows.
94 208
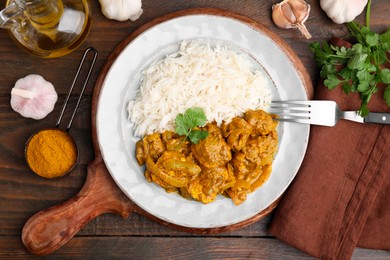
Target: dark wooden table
109 236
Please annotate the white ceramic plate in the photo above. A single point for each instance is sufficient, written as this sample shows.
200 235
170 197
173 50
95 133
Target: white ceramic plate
115 135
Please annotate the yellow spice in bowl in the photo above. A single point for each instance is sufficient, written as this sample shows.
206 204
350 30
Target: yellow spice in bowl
51 153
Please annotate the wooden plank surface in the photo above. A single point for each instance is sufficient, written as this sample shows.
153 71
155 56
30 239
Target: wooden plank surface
122 247
109 236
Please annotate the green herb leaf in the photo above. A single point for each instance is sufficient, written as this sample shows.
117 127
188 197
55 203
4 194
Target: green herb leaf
327 69
346 73
385 76
196 135
358 61
385 37
381 53
346 88
190 119
195 117
331 81
363 110
365 79
386 96
181 125
372 39
362 64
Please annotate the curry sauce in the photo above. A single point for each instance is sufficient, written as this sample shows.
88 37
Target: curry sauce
234 160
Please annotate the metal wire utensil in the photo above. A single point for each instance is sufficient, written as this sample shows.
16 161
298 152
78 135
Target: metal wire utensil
95 55
31 151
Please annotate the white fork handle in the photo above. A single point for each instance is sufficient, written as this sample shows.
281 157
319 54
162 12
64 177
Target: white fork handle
378 118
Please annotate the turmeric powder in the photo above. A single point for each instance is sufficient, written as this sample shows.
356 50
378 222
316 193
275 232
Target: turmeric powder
51 153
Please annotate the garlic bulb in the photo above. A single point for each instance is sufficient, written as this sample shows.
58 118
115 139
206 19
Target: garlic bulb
343 11
121 10
33 97
292 14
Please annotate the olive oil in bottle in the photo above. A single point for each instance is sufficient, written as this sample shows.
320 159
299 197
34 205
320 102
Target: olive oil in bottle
47 28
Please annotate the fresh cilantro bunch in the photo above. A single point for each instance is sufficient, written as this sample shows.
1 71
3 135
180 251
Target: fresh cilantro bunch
187 123
362 65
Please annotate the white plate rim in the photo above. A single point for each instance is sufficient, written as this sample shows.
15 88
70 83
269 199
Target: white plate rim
206 211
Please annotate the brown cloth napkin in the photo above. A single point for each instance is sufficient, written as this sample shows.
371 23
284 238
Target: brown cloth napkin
340 197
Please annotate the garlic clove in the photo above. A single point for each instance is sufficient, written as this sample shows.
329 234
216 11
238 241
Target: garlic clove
121 10
336 14
136 7
292 14
282 16
33 97
343 11
301 10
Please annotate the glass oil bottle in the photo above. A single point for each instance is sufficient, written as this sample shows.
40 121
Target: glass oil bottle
47 28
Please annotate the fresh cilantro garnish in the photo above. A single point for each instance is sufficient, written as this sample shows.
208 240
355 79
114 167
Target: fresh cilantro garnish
187 122
362 64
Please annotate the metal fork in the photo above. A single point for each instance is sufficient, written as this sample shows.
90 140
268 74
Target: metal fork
321 112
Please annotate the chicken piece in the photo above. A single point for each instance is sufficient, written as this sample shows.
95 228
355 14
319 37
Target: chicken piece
151 146
174 168
262 149
246 172
212 151
257 153
140 152
244 166
252 166
153 178
263 177
209 183
175 142
168 135
248 184
236 133
261 121
238 193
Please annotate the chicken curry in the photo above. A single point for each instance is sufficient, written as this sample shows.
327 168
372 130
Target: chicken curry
234 160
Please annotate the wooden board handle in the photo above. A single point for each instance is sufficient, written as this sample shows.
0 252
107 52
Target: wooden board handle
50 229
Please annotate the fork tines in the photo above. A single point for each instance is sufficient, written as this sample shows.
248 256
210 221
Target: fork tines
291 111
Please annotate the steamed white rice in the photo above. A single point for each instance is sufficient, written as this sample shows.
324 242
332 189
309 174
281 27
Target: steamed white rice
216 79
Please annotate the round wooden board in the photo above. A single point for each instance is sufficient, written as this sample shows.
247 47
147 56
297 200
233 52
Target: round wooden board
49 229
